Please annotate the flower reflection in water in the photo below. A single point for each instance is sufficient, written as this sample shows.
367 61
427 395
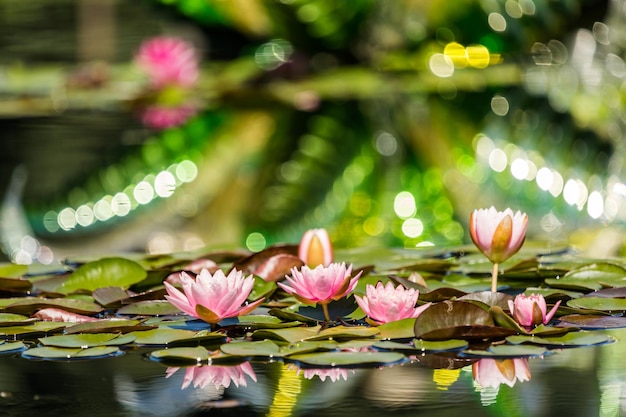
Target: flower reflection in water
333 374
219 376
489 374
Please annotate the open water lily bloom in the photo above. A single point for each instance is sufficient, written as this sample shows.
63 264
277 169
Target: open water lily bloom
213 297
320 285
531 311
385 303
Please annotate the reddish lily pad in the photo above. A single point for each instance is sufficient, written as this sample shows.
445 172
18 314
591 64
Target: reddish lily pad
589 322
7 348
457 320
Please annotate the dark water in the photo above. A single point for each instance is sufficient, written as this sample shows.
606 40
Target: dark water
583 382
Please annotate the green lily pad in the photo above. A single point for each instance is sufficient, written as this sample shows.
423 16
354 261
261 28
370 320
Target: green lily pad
399 329
419 347
7 348
590 322
264 322
488 298
181 355
34 329
265 348
56 353
105 272
28 305
149 308
307 347
593 276
10 319
261 289
345 332
15 284
87 340
569 340
348 359
507 351
12 270
290 335
599 303
108 326
177 337
109 296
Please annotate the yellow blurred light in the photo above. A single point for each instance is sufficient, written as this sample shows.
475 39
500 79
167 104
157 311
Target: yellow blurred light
374 226
457 54
445 377
478 56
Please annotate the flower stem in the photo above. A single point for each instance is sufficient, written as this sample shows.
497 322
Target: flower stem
494 278
325 310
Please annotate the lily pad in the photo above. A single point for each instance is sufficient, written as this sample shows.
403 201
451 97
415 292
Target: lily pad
12 270
599 303
32 330
307 347
265 348
177 337
419 347
264 322
181 355
64 354
345 332
569 340
28 305
149 308
398 329
110 296
10 319
590 322
87 340
108 326
15 284
507 351
289 335
105 272
7 348
348 359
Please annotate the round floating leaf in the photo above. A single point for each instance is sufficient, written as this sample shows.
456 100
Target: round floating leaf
348 359
593 321
506 351
592 276
10 319
87 340
264 322
457 320
149 308
399 329
105 272
599 303
345 332
162 336
7 348
423 346
261 289
109 296
56 353
108 326
264 348
15 285
569 340
35 329
12 270
181 355
28 305
489 298
289 315
290 335
307 347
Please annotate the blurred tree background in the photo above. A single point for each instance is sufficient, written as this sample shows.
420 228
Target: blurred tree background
387 122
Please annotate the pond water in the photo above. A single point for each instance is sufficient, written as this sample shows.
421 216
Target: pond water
582 382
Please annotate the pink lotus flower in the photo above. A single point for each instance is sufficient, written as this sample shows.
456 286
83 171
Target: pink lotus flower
315 248
530 311
320 285
498 234
219 376
493 372
168 61
215 297
385 303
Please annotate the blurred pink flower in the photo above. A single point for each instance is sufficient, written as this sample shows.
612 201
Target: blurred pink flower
165 117
385 303
498 234
219 376
315 248
213 297
530 311
168 61
493 372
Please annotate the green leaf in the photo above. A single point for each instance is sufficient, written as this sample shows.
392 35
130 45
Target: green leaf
265 348
264 322
162 336
29 305
149 308
105 272
423 346
348 359
506 351
107 326
599 303
7 348
35 329
399 329
87 340
345 332
569 340
290 335
307 347
10 319
56 353
181 355
11 270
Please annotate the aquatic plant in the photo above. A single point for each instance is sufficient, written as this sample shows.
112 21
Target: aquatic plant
384 303
315 248
530 311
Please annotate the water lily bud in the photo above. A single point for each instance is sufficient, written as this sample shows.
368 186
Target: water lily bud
498 234
530 311
315 248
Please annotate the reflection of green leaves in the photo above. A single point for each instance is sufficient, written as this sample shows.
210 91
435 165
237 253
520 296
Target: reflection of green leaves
105 272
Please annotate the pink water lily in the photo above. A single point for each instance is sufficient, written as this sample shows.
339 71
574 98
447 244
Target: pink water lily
168 61
531 311
213 297
219 376
164 117
385 303
315 248
320 285
498 235
493 372
334 374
